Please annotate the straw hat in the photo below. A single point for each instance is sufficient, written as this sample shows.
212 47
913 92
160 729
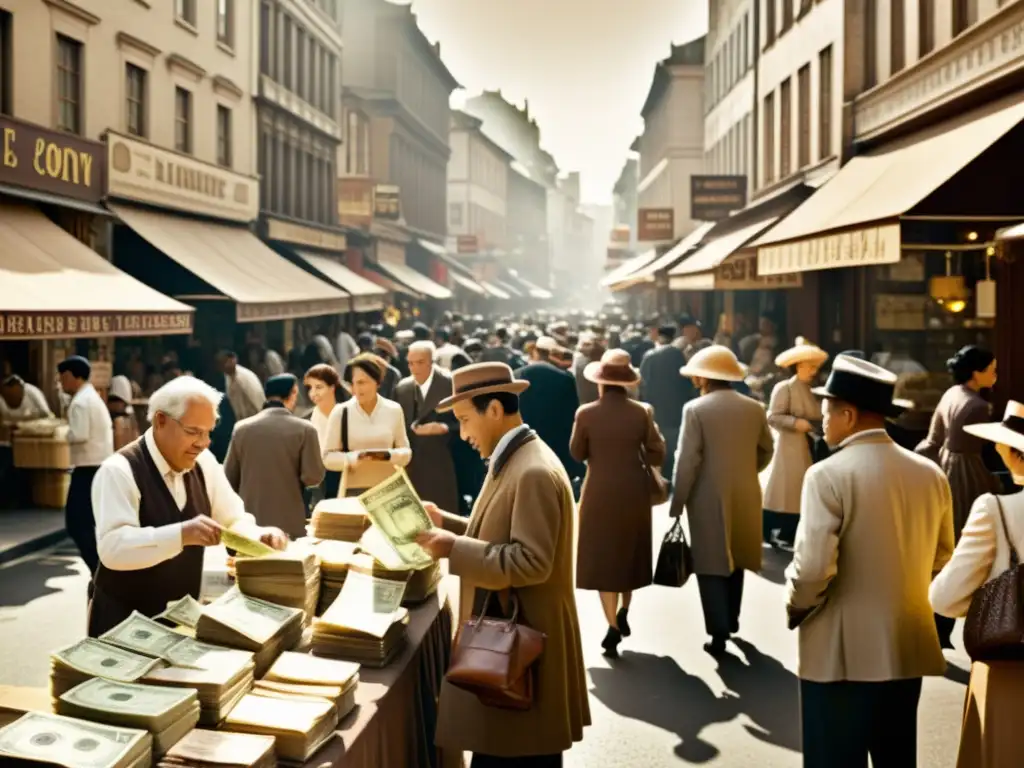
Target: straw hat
715 362
1009 431
802 352
614 368
864 385
481 379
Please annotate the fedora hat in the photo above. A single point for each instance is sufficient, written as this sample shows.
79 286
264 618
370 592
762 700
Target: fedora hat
614 368
864 385
1009 431
802 351
715 362
481 379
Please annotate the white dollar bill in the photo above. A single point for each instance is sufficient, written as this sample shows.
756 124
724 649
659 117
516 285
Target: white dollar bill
68 742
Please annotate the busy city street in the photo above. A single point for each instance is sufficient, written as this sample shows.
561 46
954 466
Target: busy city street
664 704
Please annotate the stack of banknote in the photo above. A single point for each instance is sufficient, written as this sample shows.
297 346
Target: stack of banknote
286 578
184 613
56 740
303 675
221 749
250 624
420 582
221 676
334 558
340 519
141 634
90 658
167 713
299 726
367 622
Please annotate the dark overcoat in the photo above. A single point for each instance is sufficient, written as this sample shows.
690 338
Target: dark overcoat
549 407
431 470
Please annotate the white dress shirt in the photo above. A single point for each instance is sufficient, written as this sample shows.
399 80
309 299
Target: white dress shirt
90 430
245 392
503 443
33 406
382 430
126 546
425 386
319 419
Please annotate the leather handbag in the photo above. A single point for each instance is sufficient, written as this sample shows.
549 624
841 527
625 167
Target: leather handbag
675 561
994 630
657 486
495 658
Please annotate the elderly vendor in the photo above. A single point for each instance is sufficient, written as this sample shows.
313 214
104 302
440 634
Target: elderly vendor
159 501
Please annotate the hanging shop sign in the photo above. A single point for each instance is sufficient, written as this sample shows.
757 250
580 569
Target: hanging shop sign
62 325
739 273
387 202
51 161
467 244
713 198
855 248
355 202
140 171
655 224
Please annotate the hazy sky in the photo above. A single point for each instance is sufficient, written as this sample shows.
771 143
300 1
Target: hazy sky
584 65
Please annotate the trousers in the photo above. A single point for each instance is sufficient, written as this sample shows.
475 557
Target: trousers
720 599
78 515
845 722
530 761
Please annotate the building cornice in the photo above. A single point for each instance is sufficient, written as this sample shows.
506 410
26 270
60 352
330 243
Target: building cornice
124 40
176 61
227 87
69 8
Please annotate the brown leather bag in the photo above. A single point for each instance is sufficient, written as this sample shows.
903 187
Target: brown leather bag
994 630
656 483
495 658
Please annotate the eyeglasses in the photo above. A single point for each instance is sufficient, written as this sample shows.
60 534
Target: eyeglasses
198 435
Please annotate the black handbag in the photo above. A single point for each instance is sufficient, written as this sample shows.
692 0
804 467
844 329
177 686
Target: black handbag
994 630
675 561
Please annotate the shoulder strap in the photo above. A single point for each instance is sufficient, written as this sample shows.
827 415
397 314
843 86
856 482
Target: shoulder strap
344 429
1014 557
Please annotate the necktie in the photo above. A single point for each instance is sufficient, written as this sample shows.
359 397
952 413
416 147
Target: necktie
417 401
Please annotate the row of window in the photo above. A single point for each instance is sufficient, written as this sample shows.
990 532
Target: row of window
357 144
731 153
730 63
776 26
188 12
294 58
419 176
137 111
298 176
783 99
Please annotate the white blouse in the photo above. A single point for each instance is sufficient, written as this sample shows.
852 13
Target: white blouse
319 419
384 429
981 554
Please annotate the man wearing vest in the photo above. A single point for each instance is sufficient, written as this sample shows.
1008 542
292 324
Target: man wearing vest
158 502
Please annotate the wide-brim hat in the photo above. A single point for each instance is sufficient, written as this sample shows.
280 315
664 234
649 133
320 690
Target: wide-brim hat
481 379
802 351
1009 431
864 385
715 362
614 369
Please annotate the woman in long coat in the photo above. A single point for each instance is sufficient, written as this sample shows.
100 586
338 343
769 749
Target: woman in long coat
794 413
618 439
954 449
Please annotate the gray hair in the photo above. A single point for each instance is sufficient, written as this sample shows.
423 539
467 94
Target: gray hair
424 346
174 397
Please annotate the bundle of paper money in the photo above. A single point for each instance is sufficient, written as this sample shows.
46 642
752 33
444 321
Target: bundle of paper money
16 701
299 726
398 518
286 578
167 713
340 519
90 658
420 583
250 624
367 622
221 749
303 675
334 557
57 740
184 612
144 635
221 676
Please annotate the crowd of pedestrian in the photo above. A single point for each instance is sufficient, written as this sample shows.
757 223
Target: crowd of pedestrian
539 445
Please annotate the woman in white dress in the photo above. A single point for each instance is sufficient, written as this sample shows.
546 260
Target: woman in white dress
991 736
326 393
366 437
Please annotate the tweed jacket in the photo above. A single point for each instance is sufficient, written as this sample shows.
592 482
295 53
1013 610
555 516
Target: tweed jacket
431 468
724 442
876 523
521 535
272 458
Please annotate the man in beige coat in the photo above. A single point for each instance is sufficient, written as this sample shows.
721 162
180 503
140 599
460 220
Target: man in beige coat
724 442
519 539
273 457
876 523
